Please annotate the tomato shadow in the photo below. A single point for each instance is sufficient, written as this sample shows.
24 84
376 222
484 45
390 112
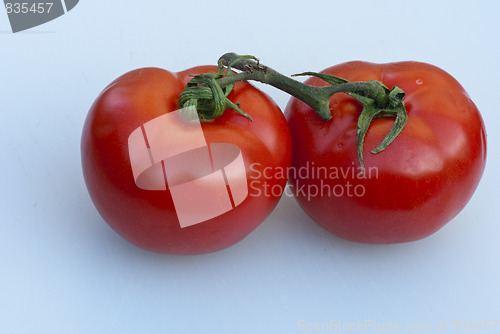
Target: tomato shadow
291 228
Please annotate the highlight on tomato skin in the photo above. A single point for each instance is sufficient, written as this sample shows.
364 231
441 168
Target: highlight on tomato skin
420 182
170 182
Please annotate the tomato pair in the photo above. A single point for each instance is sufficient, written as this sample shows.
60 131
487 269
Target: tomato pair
170 182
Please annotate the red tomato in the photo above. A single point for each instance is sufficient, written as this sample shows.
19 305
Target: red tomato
148 218
412 188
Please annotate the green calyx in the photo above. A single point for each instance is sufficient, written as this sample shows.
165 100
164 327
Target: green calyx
209 94
377 100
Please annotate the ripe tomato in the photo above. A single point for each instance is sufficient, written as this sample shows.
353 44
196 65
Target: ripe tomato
411 189
150 218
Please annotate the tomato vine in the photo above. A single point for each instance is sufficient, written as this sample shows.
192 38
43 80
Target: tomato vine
208 92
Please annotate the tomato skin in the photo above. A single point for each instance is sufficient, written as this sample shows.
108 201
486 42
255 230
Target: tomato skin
148 218
413 188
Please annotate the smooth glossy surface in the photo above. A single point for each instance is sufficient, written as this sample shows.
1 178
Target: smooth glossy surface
151 217
412 188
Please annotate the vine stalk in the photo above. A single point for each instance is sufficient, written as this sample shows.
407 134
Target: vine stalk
208 92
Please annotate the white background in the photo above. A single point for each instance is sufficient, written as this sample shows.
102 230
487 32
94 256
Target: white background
63 270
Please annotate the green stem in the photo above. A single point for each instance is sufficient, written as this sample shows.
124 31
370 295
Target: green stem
318 98
208 92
